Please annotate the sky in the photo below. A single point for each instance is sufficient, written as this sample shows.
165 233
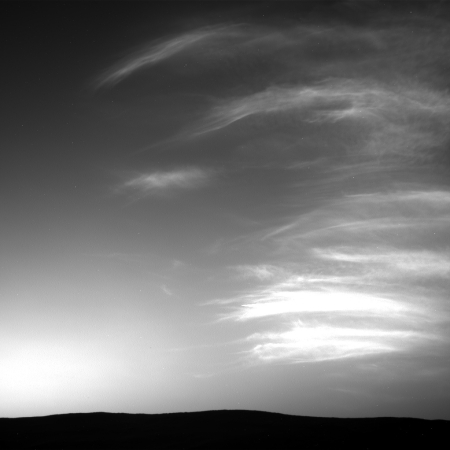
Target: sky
225 205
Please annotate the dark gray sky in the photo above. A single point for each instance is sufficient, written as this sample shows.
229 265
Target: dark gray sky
225 205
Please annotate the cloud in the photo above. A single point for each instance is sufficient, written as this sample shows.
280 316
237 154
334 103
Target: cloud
155 53
377 217
278 302
405 123
166 290
373 83
238 47
162 182
394 262
303 343
150 55
261 272
361 275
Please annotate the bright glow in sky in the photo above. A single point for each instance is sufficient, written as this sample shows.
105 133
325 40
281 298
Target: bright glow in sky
226 205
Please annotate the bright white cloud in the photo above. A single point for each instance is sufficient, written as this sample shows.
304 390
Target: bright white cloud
303 343
304 301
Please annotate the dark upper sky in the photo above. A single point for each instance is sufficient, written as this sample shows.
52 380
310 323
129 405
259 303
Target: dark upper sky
211 205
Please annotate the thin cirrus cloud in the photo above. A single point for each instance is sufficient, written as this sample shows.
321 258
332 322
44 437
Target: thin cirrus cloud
405 123
239 45
406 120
155 53
160 182
148 56
411 263
260 272
370 216
306 82
289 49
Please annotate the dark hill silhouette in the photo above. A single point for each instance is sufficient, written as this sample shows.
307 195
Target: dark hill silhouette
228 429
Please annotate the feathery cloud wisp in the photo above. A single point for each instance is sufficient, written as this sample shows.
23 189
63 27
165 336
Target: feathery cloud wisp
406 123
149 56
155 53
161 182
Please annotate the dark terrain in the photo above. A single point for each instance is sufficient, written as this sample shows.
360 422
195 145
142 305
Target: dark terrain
229 429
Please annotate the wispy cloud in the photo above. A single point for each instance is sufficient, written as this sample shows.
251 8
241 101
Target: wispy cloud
162 182
393 262
376 217
303 343
240 45
150 55
260 272
406 123
157 52
166 290
372 81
